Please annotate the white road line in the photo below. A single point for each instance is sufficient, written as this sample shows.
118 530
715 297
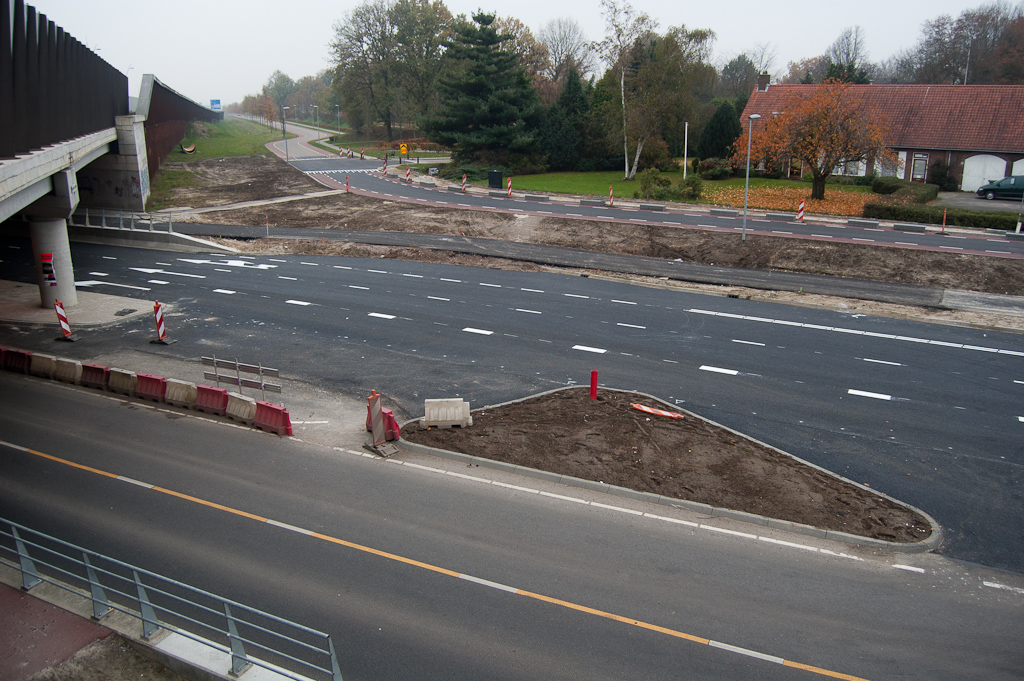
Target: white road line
98 274
109 257
414 276
485 582
669 361
454 281
736 340
519 309
297 302
630 326
862 393
380 315
573 295
287 278
217 269
360 288
337 267
823 236
157 281
952 248
278 260
623 302
775 231
730 372
147 270
531 290
882 361
909 568
1021 419
906 243
286 526
586 348
224 290
447 300
377 271
999 252
746 651
481 332
857 238
491 285
135 482
997 585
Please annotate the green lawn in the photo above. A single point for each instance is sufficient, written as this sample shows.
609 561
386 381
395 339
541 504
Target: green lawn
164 183
230 137
577 183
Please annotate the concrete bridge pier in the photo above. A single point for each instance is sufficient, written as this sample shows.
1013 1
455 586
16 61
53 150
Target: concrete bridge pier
51 252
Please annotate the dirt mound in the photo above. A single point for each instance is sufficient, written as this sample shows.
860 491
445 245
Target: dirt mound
607 440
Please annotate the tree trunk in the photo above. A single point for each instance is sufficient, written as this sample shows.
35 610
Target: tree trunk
818 187
636 161
625 132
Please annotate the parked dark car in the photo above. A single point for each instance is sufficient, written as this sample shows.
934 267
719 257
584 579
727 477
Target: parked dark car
1007 188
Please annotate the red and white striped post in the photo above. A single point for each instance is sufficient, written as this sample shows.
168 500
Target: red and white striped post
161 330
611 197
341 152
463 183
408 174
362 154
800 211
346 183
376 418
510 186
62 318
384 170
350 154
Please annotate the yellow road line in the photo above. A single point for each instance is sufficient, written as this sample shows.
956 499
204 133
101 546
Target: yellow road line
434 568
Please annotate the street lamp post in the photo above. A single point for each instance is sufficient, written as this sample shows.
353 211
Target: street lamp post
284 131
338 107
746 186
317 112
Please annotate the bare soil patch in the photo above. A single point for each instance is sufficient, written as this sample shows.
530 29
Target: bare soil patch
606 440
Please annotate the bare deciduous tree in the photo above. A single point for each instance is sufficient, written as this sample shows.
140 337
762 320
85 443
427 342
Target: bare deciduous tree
567 47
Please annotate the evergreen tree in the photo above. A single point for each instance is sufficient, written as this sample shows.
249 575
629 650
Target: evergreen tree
720 133
488 108
563 130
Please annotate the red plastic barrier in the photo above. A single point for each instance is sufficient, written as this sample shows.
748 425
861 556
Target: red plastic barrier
272 418
95 376
18 361
211 400
392 431
150 387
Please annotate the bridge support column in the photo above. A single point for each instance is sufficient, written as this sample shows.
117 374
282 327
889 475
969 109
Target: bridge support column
50 245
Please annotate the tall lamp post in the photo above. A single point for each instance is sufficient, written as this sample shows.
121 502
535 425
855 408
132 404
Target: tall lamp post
284 131
317 112
746 186
338 107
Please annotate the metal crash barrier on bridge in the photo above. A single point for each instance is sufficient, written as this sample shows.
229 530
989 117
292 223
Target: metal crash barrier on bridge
160 603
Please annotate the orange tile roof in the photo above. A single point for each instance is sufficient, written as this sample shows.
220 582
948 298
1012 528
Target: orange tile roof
948 117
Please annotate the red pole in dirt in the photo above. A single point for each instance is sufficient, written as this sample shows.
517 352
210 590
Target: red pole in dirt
346 183
944 220
593 384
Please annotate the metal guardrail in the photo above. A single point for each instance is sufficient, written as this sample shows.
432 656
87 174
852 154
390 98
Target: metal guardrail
239 368
163 603
124 219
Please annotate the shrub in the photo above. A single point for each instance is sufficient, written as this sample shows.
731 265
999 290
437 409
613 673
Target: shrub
886 185
715 168
651 183
917 192
866 180
932 215
692 188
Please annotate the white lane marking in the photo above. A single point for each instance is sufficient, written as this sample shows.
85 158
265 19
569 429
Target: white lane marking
736 340
288 278
909 568
1016 381
573 295
491 285
311 264
1021 419
414 276
882 361
447 300
380 315
486 582
730 372
135 482
454 281
286 526
906 243
482 332
297 302
225 291
337 267
952 248
359 288
519 309
110 283
857 238
217 269
157 281
863 393
775 231
279 260
531 290
586 348
616 508
310 423
746 651
623 302
98 274
148 270
109 257
997 585
999 252
670 361
823 236
630 326
377 271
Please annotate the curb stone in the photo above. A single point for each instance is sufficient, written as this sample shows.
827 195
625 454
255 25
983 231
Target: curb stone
932 542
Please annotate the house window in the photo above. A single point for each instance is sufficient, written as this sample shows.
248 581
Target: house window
919 171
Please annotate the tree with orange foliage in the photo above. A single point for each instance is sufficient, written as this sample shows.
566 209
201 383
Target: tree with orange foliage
825 127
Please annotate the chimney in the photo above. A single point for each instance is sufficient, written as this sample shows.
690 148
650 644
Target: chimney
762 82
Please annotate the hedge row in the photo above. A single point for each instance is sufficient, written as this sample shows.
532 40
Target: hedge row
932 215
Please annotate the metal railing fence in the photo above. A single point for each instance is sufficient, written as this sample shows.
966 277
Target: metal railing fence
163 603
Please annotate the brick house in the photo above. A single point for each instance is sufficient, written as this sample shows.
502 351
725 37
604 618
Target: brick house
977 130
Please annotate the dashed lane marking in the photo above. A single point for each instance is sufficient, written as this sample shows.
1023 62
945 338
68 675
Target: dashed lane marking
718 370
380 315
586 348
480 332
864 393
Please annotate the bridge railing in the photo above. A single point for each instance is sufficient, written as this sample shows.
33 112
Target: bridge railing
113 218
163 603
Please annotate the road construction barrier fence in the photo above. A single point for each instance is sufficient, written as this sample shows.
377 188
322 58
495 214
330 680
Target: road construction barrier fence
259 383
210 400
18 361
241 408
122 381
95 376
273 418
43 365
150 387
250 637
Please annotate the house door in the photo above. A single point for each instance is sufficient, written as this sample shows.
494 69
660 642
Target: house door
919 171
982 169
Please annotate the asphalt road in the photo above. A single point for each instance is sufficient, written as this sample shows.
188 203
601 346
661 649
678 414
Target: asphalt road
927 413
415 572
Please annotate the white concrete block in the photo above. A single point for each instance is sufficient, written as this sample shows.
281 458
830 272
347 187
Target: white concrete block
43 365
180 393
445 413
122 381
241 408
68 370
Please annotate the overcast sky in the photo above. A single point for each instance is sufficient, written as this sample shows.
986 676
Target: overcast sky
226 49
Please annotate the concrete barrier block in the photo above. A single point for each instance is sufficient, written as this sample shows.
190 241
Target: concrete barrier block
853 222
455 188
68 371
1015 236
427 183
180 393
445 413
725 211
496 193
781 216
241 408
652 206
95 376
122 381
150 387
272 418
593 202
909 227
536 197
211 400
43 365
